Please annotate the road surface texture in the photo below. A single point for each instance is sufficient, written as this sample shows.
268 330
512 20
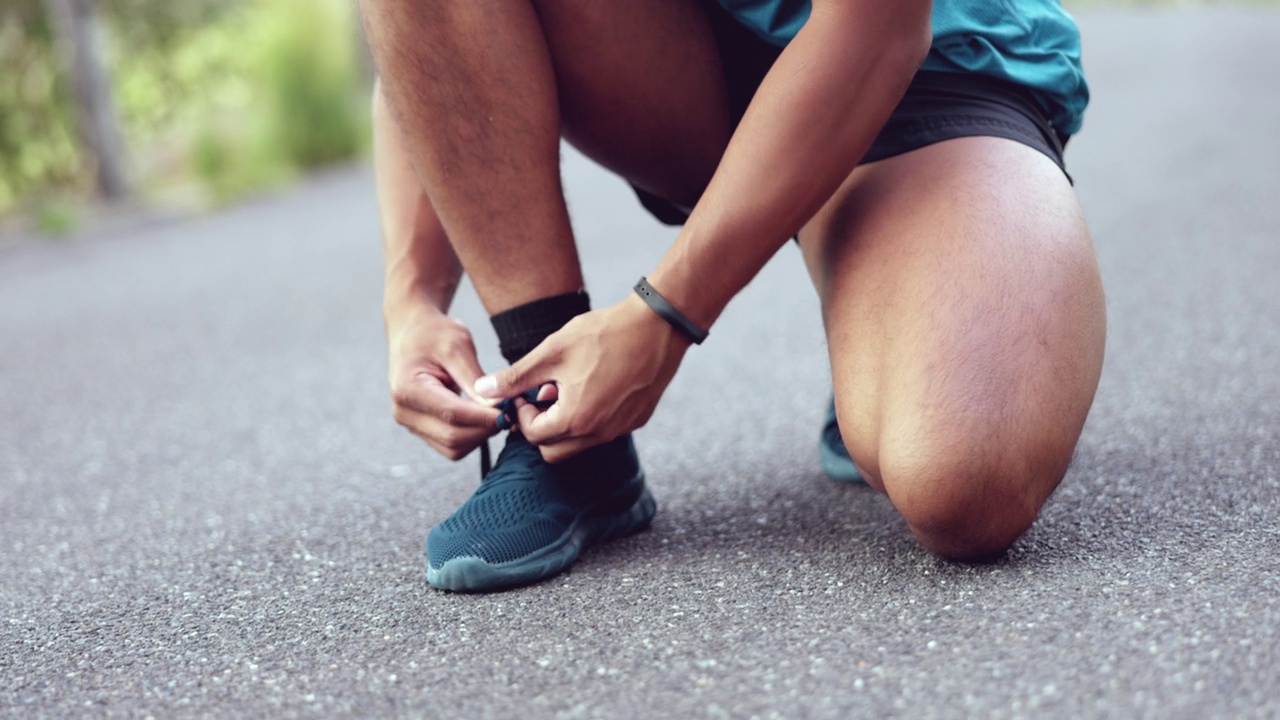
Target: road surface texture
207 510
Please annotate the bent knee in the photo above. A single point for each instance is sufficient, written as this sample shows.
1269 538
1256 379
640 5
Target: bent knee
967 509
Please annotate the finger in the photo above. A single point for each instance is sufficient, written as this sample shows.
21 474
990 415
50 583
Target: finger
545 426
432 398
462 366
526 412
529 372
549 392
452 441
441 432
527 415
565 449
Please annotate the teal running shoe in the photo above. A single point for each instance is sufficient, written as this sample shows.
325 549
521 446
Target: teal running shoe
530 519
832 453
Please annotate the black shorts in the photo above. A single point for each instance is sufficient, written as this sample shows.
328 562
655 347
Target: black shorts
937 106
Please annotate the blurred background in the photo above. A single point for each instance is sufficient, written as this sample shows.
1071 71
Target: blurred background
111 106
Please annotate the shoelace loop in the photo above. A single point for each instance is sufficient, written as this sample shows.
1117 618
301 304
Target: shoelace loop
508 419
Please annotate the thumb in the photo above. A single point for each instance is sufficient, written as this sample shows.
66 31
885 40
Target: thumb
464 370
533 370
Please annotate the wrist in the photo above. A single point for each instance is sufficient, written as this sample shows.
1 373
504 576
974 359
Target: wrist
402 306
688 285
644 317
669 313
407 281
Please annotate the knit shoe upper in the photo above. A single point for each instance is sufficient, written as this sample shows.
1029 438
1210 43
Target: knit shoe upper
530 519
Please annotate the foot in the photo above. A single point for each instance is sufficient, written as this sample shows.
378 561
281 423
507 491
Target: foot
529 519
832 453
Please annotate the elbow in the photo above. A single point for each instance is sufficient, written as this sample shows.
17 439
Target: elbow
901 32
922 42
913 37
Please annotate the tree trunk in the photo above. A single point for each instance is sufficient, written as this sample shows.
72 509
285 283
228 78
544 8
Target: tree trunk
79 31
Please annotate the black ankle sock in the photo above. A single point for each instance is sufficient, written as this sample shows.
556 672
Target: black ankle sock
521 328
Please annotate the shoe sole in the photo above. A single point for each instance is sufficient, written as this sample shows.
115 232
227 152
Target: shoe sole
473 574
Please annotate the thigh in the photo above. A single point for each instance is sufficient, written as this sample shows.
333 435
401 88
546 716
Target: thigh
641 89
965 319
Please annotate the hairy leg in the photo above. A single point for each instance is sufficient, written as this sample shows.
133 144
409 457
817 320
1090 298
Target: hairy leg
966 323
472 89
641 90
483 90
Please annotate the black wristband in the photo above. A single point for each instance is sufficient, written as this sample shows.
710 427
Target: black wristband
668 312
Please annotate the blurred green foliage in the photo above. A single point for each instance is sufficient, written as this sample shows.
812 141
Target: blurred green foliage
216 98
37 138
309 66
56 216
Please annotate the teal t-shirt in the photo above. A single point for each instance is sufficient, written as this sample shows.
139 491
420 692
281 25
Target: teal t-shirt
1034 43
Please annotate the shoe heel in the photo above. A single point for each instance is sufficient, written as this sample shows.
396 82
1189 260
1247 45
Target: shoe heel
634 519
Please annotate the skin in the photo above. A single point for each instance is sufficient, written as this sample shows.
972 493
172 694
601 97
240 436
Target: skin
965 323
432 356
959 288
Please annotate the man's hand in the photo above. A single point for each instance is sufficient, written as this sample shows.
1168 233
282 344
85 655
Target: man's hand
610 368
433 357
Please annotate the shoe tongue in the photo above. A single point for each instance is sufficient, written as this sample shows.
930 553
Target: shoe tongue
516 441
515 460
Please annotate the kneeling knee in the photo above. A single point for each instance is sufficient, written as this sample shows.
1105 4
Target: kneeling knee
966 510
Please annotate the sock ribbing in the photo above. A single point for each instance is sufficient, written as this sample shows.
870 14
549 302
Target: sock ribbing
523 327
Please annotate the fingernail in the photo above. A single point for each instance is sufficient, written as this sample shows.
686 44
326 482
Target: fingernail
486 386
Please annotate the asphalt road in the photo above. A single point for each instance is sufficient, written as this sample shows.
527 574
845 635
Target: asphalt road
206 509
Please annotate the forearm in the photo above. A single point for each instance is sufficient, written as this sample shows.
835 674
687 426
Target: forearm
420 265
813 118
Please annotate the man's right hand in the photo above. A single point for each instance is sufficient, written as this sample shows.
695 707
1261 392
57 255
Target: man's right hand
432 360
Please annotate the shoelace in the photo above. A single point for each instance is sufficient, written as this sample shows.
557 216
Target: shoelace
508 419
